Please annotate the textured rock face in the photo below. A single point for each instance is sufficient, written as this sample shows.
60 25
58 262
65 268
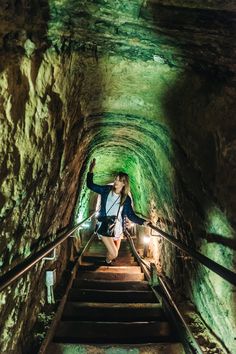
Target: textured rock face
145 87
38 184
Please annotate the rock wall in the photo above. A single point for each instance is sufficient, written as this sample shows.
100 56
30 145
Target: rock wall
39 174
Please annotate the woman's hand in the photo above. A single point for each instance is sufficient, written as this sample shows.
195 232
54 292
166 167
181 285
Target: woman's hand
92 165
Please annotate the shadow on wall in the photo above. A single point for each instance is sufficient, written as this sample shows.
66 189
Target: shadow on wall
199 108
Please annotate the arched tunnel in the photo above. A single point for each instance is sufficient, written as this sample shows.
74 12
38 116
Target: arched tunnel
146 87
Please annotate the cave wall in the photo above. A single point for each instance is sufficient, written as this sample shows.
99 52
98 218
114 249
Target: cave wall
104 81
39 173
39 163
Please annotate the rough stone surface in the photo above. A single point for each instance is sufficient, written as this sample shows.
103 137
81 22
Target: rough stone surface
161 348
145 87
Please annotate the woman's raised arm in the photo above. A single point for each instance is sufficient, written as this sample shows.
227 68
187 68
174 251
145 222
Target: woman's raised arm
90 184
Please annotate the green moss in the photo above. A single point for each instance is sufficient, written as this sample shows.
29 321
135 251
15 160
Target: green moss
3 298
10 244
217 223
29 47
41 327
25 250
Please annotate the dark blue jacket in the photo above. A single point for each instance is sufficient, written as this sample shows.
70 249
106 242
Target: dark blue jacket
104 191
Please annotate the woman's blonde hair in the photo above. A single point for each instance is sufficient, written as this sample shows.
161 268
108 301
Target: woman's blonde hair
126 189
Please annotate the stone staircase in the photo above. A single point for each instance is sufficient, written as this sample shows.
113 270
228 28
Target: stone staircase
112 310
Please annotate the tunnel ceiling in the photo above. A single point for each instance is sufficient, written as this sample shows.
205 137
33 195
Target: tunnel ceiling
176 32
180 33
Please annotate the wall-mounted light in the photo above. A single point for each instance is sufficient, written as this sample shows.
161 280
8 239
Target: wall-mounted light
50 281
146 241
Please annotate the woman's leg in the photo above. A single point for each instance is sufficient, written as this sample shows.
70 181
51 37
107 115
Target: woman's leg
117 243
112 251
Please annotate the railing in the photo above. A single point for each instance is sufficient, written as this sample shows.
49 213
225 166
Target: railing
188 338
212 265
18 271
57 317
8 278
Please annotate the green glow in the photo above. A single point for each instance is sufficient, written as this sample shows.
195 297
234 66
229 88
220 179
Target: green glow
139 155
136 140
217 223
219 234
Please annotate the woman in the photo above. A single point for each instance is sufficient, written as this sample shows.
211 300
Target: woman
114 201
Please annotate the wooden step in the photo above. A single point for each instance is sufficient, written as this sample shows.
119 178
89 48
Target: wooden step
101 261
111 284
102 246
126 312
110 332
98 257
110 276
103 252
153 348
110 269
116 263
124 296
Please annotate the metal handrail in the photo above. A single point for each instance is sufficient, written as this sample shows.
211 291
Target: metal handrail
169 299
9 277
135 251
207 262
57 317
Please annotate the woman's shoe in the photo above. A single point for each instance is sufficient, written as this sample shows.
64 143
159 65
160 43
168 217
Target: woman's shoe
108 261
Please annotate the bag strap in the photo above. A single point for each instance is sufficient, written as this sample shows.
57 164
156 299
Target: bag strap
118 211
112 206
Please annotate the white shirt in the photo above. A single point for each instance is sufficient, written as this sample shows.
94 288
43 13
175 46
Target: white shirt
113 203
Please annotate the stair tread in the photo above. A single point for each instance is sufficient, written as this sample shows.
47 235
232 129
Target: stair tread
99 256
113 311
111 284
110 275
101 244
118 262
151 324
102 250
112 292
113 268
153 348
101 295
91 331
135 305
